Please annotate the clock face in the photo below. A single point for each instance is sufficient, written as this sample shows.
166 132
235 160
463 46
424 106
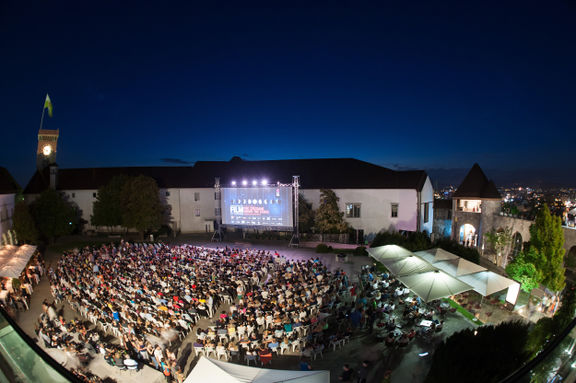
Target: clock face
47 150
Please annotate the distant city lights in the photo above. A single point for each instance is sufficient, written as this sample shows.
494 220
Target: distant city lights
233 183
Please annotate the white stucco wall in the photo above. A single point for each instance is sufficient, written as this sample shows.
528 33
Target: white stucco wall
375 211
427 196
189 222
7 202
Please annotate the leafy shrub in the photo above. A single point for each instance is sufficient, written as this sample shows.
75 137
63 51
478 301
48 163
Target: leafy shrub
454 247
413 241
323 248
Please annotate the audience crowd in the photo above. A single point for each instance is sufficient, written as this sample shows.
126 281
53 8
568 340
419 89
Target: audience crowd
148 297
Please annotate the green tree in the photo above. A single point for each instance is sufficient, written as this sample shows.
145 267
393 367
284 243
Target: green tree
491 352
499 239
547 239
329 219
305 215
142 209
54 215
23 224
547 328
108 207
522 270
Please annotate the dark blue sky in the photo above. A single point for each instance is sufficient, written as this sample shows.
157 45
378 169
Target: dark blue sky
411 85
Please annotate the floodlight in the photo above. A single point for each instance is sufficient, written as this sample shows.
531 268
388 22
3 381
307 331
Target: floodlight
264 182
254 183
244 182
233 183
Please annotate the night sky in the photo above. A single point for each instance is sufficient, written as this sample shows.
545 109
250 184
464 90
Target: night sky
404 85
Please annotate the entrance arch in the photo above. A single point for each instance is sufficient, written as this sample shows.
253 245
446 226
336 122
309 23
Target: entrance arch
468 236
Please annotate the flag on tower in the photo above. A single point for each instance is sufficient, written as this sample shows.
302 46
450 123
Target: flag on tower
48 105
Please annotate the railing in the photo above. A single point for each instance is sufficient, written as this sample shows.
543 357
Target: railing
555 363
22 360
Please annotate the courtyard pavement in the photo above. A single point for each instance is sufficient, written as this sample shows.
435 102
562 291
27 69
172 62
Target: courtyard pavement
405 365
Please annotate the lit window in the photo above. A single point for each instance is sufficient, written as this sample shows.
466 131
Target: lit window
352 210
394 210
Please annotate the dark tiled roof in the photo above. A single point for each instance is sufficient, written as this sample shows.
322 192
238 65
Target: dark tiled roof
442 204
477 185
7 183
336 173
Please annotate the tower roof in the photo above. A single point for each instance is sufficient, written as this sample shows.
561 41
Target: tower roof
477 185
7 183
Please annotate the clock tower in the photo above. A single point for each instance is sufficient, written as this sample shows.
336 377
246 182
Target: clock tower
47 145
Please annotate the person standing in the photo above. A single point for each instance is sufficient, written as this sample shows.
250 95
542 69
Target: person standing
363 372
347 374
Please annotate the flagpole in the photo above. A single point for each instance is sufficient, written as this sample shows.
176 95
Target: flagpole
42 118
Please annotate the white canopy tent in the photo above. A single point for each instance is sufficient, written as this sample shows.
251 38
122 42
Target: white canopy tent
487 282
407 265
436 255
211 370
428 285
458 267
13 259
433 285
381 253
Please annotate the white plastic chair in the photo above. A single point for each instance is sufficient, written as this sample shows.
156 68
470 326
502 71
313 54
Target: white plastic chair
199 350
250 358
209 350
223 353
284 347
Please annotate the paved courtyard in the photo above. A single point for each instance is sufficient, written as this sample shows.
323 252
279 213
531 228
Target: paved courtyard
405 364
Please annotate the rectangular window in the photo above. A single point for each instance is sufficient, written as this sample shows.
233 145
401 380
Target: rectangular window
197 212
426 211
73 195
394 210
352 210
196 196
217 212
167 194
94 195
217 196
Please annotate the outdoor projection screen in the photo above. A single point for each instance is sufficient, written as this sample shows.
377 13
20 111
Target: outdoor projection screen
266 206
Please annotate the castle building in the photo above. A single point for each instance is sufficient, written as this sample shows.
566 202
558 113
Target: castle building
474 205
8 190
373 198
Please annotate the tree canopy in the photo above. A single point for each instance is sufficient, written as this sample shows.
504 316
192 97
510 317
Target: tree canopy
54 215
522 270
499 239
107 210
547 239
141 206
329 219
305 215
23 223
490 352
